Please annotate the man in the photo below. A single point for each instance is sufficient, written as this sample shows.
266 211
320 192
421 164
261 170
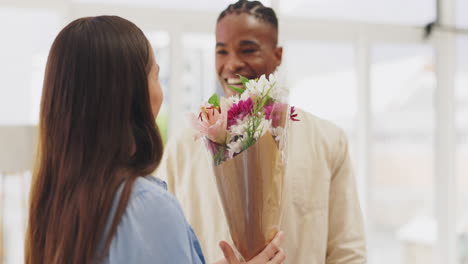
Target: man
322 219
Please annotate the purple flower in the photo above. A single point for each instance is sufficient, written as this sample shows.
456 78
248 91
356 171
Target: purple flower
239 111
293 114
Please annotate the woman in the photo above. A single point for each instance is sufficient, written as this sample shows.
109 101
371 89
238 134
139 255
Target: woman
90 199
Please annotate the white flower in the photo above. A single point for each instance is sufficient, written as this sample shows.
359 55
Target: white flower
248 93
280 135
264 126
231 100
279 94
239 131
235 146
277 132
263 84
259 87
239 128
250 85
272 79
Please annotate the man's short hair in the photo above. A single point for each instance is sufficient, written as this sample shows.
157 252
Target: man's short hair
254 8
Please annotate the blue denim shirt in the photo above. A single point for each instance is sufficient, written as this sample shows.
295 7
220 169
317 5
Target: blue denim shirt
153 228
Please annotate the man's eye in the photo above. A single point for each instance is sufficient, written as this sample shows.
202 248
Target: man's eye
248 51
221 52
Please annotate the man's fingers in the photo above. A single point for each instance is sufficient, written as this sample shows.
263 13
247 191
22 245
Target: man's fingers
229 254
274 246
278 258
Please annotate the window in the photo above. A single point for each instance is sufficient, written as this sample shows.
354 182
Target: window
215 5
460 13
14 204
22 61
461 119
401 182
414 12
27 35
199 78
322 80
160 41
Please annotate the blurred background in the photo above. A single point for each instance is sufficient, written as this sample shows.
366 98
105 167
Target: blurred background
363 64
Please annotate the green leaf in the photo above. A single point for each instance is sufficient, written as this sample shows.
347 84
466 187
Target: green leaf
239 90
214 100
243 80
265 99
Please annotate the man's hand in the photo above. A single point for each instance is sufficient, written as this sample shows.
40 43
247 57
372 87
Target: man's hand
272 254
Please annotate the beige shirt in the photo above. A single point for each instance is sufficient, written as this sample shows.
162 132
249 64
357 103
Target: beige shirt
322 220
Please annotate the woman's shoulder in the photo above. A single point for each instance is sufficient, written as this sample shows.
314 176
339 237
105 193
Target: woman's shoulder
152 190
149 198
153 228
149 184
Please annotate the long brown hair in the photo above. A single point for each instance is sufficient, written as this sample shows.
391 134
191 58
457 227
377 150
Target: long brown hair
97 132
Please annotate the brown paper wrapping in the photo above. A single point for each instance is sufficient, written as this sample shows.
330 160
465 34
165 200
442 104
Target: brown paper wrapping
250 186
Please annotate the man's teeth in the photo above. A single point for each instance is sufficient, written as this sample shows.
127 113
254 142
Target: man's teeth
233 81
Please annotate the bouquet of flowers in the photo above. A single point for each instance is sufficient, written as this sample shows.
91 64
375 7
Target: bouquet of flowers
246 137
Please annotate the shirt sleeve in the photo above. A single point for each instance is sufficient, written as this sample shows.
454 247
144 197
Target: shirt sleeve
152 230
346 240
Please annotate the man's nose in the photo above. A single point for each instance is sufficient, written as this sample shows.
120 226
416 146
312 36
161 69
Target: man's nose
234 63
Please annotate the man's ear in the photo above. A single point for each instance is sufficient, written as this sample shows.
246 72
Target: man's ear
279 55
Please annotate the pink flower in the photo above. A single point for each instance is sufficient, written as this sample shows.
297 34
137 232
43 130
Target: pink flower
211 122
218 151
239 111
273 112
268 110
